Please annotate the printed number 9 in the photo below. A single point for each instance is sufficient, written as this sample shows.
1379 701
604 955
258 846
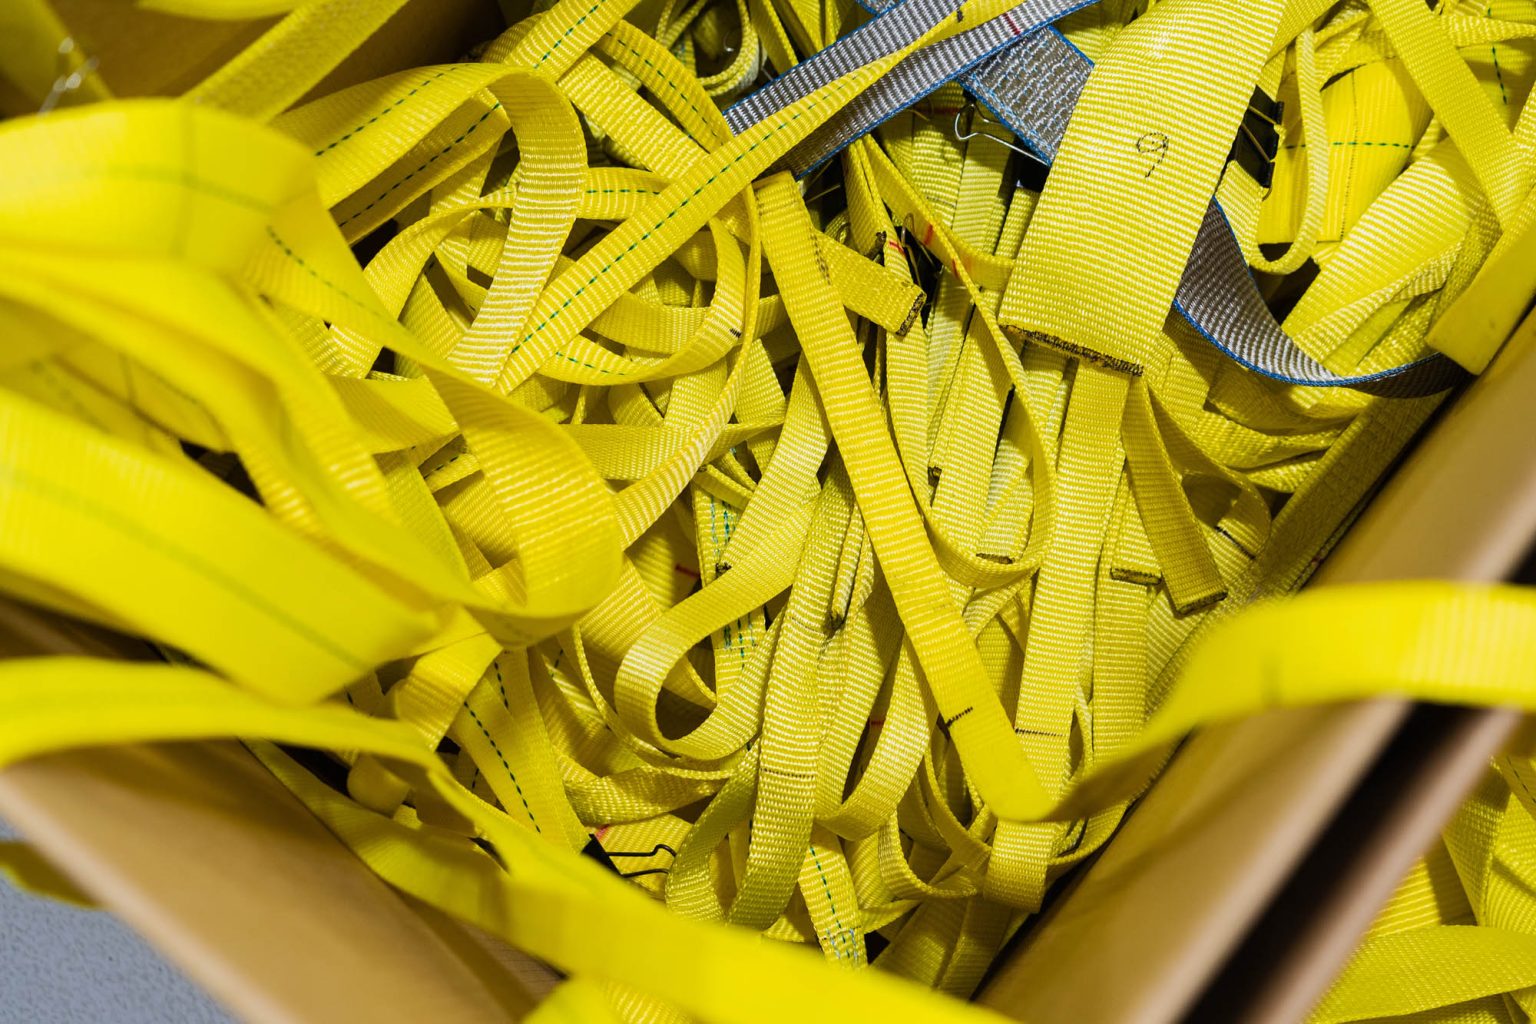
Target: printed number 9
1153 144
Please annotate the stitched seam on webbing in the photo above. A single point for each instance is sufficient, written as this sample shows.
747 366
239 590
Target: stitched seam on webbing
659 224
188 560
561 41
843 931
427 163
503 759
663 76
358 130
304 264
1109 362
170 177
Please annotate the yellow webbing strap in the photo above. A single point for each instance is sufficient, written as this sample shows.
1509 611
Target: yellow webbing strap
1300 651
832 560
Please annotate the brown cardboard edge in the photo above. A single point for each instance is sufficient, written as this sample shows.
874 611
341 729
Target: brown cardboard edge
229 876
143 52
1462 506
1292 953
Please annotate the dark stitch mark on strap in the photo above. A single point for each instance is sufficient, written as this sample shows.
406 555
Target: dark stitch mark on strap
188 180
781 773
288 251
652 852
503 759
386 110
1240 547
1354 142
1200 604
444 465
1498 72
561 41
1021 336
500 685
952 719
429 162
1082 831
1519 776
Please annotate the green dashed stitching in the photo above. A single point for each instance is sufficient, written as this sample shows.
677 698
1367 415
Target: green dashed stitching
445 465
1355 142
427 163
622 192
553 316
726 636
312 272
186 559
1525 786
595 369
647 234
503 759
561 41
842 930
326 149
741 638
662 75
501 686
1498 72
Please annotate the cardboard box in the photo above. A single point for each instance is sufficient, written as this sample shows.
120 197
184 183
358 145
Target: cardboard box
1234 891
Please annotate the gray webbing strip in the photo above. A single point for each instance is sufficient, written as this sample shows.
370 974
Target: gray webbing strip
1030 78
922 73
1218 297
895 28
1033 86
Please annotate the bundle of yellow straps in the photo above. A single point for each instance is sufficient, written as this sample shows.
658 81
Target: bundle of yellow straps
834 559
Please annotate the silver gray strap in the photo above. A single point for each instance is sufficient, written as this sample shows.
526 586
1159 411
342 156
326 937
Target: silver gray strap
1030 78
923 72
1033 86
1218 297
898 26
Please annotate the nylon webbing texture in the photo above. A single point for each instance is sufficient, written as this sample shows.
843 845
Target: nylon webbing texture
897 27
691 577
1032 86
1033 89
920 74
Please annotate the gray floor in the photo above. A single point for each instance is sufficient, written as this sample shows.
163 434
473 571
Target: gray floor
63 965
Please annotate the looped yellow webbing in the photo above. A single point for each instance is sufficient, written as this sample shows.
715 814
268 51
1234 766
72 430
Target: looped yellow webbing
834 559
